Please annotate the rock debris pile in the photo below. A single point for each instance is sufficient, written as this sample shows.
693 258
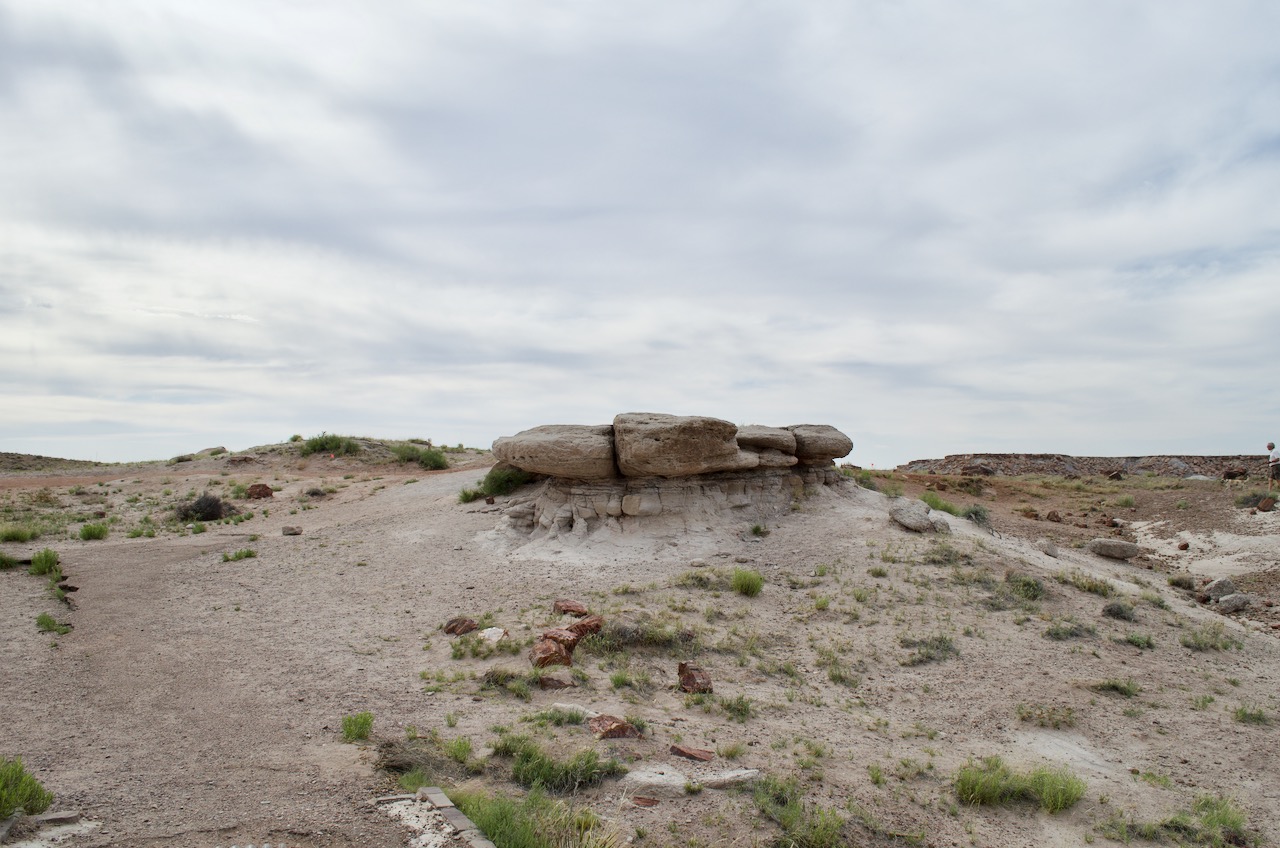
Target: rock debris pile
649 464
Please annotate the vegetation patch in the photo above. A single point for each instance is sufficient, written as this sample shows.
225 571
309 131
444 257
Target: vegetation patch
357 726
19 790
535 821
1210 637
990 781
48 624
93 532
1047 715
929 649
807 825
330 443
1085 583
207 507
747 581
1212 822
535 769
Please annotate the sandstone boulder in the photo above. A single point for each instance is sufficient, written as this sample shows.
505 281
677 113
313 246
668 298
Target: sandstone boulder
1113 548
911 514
817 443
1235 602
573 451
767 438
650 444
1219 588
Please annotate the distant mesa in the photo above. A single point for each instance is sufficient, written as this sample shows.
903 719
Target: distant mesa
647 464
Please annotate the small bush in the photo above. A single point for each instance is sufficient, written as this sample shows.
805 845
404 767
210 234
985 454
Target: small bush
48 624
7 562
90 532
1085 583
330 443
1122 610
1182 581
207 507
44 562
1126 688
936 502
1047 715
296 437
1140 640
739 708
1250 499
993 782
747 581
1209 637
932 649
357 726
534 821
1124 501
1251 715
1068 628
535 769
17 533
468 495
20 791
429 458
803 825
502 480
977 513
243 553
1024 586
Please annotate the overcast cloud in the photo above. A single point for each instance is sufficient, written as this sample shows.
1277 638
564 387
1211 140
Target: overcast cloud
940 227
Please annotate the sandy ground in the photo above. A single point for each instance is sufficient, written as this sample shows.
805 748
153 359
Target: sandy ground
199 702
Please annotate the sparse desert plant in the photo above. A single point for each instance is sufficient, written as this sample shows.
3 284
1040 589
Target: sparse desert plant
243 553
1182 581
458 750
1126 687
19 790
1068 628
759 530
1212 822
357 726
44 562
429 458
330 443
1124 501
468 495
48 624
502 480
1246 714
1140 640
533 768
1024 586
878 571
7 562
1085 583
991 781
296 437
534 821
731 750
91 532
1122 610
1047 715
977 513
803 825
739 708
930 649
207 507
935 501
747 581
1209 637
17 533
1250 499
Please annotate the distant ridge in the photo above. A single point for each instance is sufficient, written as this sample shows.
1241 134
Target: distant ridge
1062 465
31 462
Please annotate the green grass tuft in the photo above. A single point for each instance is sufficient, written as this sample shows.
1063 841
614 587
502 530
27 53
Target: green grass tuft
992 782
358 726
48 624
90 532
330 443
20 790
747 581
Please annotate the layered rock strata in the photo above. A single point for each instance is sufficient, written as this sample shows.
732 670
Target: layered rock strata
646 465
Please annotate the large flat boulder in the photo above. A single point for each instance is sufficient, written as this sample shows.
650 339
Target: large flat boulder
572 451
1114 548
767 438
651 444
818 443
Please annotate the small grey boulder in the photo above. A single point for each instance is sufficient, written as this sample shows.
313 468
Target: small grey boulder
1114 548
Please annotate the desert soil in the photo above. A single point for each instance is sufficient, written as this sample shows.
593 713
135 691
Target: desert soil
199 701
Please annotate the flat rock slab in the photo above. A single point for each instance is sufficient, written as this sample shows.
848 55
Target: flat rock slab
651 444
573 451
1114 548
912 514
665 783
732 778
820 442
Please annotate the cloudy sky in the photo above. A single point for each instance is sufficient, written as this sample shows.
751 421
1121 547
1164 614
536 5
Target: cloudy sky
941 227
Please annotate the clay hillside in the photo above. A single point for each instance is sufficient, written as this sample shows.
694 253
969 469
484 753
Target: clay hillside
654 631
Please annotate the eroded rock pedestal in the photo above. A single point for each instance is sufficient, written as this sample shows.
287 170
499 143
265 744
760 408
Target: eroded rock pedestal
647 465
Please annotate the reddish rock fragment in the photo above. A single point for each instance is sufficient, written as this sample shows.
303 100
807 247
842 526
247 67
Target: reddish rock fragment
590 624
693 679
1182 546
641 801
612 727
458 626
546 652
565 637
1053 516
1266 504
564 606
260 490
701 754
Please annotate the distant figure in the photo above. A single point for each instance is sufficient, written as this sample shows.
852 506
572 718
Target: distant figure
1273 465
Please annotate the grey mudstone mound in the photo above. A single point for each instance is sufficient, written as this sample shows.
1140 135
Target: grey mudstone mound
767 438
817 443
571 451
651 444
1235 602
730 779
912 514
1114 548
1219 588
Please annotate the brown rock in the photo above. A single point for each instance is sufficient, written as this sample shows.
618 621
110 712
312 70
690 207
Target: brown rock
1053 516
1182 546
1235 474
701 754
590 624
564 636
549 682
564 606
1266 504
693 679
1116 475
289 530
547 652
641 801
458 626
612 727
578 452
